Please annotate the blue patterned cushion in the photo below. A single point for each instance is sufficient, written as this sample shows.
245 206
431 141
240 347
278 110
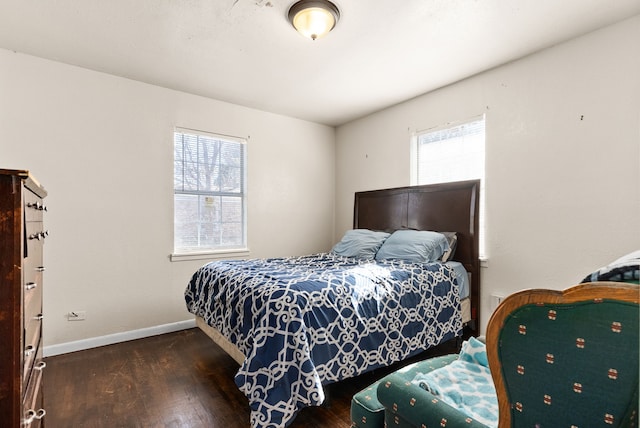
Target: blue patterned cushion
465 384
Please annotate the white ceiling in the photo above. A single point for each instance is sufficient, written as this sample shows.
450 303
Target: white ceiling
245 52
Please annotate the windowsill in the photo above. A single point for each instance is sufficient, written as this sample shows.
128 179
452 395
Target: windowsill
210 255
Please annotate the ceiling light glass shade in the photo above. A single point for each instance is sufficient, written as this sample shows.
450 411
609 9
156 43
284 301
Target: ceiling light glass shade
313 19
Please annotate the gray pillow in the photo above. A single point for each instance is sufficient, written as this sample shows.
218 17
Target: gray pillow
418 246
360 243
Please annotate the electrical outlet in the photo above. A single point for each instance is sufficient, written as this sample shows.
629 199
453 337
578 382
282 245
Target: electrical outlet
77 316
496 299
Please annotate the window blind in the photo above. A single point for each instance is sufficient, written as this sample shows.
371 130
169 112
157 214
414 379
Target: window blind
454 152
209 192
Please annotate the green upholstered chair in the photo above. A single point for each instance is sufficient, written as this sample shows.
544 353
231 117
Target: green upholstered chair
368 412
558 359
395 401
567 358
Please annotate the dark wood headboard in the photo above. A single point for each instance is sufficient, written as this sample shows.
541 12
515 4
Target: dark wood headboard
447 207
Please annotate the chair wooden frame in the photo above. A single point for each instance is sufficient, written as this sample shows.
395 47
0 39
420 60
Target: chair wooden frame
580 293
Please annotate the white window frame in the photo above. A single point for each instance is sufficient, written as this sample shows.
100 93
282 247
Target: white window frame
452 175
238 249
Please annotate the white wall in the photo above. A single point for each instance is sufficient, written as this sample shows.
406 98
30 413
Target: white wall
102 146
562 158
563 174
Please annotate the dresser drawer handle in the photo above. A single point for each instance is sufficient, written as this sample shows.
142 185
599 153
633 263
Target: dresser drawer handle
39 235
38 317
41 365
37 206
29 350
32 415
30 285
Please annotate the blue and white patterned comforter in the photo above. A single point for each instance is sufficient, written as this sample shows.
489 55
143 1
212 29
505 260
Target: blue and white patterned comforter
308 321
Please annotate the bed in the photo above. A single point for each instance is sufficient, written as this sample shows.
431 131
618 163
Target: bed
295 324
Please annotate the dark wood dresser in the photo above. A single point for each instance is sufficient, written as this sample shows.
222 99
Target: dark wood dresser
22 235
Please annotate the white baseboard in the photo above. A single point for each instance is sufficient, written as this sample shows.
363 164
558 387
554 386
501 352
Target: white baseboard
110 339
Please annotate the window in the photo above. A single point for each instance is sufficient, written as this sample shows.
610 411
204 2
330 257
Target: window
209 192
454 152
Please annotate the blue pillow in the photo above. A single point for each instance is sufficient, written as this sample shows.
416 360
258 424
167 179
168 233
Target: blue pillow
360 243
417 246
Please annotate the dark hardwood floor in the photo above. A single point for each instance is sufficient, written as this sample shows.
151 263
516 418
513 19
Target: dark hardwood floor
179 379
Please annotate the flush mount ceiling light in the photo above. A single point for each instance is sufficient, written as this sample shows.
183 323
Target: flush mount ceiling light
313 18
